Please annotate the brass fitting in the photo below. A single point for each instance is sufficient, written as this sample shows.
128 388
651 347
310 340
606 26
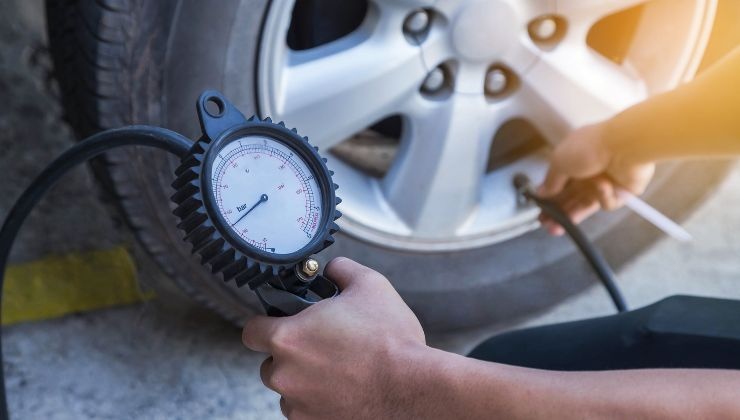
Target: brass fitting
309 268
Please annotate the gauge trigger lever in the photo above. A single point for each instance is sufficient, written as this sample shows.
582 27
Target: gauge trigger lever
281 302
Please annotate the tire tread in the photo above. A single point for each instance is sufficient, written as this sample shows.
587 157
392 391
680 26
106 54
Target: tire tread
89 42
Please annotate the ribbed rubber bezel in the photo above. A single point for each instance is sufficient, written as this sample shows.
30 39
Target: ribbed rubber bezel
218 247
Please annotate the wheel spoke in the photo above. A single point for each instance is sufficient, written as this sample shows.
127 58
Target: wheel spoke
470 78
338 89
434 184
558 95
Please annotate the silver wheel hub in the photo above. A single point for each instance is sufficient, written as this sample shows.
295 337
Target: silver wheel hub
483 30
455 77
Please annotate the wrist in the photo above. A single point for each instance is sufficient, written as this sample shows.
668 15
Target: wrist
425 382
625 137
611 143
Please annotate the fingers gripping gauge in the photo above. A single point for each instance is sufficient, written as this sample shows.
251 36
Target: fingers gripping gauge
256 201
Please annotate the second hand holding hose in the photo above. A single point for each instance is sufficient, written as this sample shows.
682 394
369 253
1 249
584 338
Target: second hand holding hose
606 275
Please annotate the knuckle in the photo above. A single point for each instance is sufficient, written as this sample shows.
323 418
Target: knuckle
609 206
266 370
271 376
602 185
605 194
273 382
250 325
284 407
606 203
288 408
295 415
250 331
279 383
283 339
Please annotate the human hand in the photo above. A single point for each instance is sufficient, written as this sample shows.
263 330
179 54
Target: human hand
345 357
585 175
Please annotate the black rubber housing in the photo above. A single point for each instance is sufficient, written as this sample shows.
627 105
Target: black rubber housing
687 332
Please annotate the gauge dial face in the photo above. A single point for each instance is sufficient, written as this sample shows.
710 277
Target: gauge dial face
267 194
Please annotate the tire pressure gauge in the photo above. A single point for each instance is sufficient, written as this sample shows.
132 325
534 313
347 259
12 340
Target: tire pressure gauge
256 201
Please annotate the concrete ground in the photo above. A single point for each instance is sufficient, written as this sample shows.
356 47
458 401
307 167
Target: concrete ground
169 358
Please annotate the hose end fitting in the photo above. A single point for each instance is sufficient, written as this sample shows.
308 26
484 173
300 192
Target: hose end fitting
523 186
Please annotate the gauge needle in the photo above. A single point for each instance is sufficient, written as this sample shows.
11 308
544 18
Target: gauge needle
262 199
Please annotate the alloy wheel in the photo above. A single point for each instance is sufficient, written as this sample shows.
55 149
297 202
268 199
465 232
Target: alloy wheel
456 76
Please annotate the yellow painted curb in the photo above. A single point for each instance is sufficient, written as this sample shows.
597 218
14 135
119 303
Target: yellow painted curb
59 285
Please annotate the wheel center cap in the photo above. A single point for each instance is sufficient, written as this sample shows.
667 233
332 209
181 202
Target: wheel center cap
484 29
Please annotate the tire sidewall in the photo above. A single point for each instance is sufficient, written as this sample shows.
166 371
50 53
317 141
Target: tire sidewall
195 46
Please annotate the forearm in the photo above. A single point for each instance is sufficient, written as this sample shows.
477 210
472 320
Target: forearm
461 387
700 118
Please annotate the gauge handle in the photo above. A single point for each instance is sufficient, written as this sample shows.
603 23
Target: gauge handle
279 302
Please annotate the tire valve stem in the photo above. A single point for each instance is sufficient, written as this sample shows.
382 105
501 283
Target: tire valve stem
524 191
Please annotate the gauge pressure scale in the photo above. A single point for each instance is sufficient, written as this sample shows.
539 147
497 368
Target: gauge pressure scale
256 201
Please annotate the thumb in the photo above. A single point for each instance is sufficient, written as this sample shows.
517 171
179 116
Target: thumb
347 273
554 183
